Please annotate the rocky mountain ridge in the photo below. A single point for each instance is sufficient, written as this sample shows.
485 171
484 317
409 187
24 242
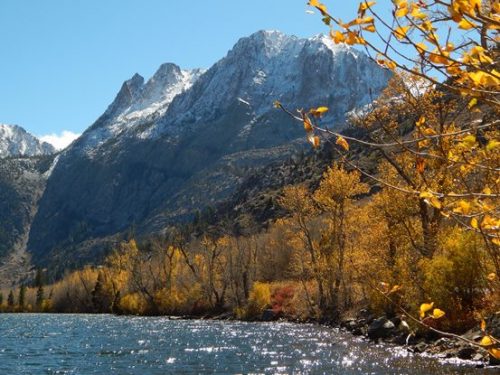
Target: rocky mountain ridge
186 140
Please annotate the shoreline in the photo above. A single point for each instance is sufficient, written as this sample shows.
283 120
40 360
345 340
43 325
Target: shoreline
448 350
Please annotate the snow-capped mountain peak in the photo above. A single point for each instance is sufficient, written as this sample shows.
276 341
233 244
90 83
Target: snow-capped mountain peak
15 142
139 102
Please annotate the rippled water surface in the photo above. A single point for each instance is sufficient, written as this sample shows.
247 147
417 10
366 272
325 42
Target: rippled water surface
102 344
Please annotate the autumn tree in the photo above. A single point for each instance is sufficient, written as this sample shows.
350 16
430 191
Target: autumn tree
335 197
298 202
449 48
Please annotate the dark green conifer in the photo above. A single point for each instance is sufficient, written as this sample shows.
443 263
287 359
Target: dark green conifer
10 299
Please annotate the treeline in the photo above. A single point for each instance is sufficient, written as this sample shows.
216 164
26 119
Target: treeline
334 253
343 245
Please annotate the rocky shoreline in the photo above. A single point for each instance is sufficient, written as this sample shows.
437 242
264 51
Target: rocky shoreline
393 331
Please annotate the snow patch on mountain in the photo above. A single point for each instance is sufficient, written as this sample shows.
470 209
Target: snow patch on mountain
139 103
15 142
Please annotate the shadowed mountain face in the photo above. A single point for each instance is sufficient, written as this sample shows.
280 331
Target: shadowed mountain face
185 140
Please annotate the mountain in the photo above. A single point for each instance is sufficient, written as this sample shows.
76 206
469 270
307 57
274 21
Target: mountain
15 141
186 140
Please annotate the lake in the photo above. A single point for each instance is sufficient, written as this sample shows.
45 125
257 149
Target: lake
105 344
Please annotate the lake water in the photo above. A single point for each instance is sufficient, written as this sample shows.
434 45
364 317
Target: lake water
104 344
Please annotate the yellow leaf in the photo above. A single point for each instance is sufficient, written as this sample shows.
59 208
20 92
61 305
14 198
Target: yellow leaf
314 140
420 165
487 341
424 307
438 58
394 289
473 223
365 20
483 325
277 104
492 276
437 314
464 24
364 6
420 121
472 103
337 36
469 141
485 79
400 3
370 28
391 65
435 202
431 199
464 207
421 47
492 144
495 353
307 125
401 12
416 13
426 194
342 143
401 32
318 112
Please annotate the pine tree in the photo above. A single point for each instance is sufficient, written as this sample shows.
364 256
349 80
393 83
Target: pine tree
40 293
10 299
40 296
22 296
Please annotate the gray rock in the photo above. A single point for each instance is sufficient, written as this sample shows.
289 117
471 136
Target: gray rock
380 328
420 347
478 357
269 315
466 352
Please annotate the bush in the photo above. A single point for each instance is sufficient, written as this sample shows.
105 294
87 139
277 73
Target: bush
258 300
133 304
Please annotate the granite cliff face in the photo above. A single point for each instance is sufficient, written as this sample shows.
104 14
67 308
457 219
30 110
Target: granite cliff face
185 140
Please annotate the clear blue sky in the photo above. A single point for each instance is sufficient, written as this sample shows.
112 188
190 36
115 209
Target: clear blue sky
63 61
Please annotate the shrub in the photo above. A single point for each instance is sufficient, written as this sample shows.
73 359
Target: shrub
258 300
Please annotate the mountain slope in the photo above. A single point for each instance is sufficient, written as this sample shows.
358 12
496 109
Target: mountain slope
22 183
185 140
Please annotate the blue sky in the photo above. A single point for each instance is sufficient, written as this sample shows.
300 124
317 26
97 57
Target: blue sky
64 61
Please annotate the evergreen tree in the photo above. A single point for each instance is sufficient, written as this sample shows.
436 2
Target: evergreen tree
40 293
39 278
40 296
10 299
22 296
1 299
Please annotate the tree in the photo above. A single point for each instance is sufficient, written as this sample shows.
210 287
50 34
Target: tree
10 299
40 293
465 59
335 197
22 296
298 202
